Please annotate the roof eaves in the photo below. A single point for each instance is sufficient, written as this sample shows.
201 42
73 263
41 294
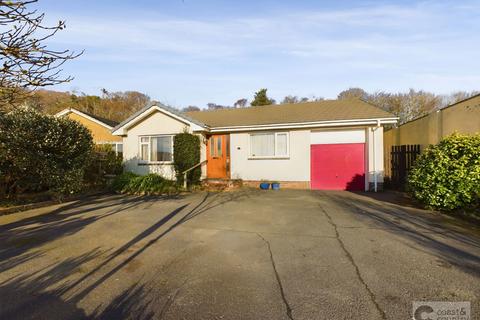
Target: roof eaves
161 106
384 120
109 124
181 115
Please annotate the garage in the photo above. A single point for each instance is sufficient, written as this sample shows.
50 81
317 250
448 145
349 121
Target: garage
337 160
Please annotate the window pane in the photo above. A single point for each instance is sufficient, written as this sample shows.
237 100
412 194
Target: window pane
161 149
153 149
144 152
120 149
263 145
212 147
219 146
144 139
166 149
281 144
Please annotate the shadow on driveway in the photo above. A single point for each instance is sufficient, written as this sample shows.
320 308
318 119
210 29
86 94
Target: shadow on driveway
431 234
32 296
19 237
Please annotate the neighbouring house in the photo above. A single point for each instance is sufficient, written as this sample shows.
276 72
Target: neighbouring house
330 144
100 128
404 143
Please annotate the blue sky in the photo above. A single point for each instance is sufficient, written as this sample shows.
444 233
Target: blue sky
194 52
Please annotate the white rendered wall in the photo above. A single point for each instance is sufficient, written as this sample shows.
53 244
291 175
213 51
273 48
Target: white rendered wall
375 154
294 168
155 124
338 136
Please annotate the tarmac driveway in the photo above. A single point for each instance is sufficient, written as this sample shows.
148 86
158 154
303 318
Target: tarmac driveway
234 255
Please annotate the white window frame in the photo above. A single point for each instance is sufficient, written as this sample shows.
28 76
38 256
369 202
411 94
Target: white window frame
113 144
149 145
276 155
115 147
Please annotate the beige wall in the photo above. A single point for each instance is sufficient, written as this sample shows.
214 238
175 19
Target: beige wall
155 124
100 133
463 117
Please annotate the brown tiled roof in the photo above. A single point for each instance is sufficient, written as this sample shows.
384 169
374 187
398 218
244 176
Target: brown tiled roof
351 109
111 123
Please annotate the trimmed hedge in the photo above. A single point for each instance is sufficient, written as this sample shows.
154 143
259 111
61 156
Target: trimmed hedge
186 154
151 184
40 152
447 176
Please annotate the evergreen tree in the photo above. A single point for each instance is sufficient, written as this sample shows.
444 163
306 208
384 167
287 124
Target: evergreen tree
261 98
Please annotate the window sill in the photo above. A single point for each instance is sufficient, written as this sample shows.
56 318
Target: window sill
155 163
269 158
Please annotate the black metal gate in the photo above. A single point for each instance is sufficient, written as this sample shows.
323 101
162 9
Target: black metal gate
403 157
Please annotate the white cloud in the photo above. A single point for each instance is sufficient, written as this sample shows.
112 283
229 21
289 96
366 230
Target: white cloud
306 34
400 43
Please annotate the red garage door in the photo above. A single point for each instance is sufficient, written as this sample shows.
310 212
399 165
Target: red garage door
338 166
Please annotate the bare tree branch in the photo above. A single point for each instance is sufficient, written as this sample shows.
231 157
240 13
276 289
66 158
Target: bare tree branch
25 61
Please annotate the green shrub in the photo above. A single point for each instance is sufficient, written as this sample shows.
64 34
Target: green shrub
40 152
133 186
149 184
186 154
120 181
447 176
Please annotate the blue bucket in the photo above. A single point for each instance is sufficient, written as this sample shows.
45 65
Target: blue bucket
264 186
275 186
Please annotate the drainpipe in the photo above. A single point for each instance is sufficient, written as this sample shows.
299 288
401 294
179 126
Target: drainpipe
375 179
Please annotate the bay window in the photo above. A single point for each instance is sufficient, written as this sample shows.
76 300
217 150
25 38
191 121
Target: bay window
156 149
269 145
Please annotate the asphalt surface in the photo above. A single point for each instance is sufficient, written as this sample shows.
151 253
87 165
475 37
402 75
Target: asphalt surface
246 254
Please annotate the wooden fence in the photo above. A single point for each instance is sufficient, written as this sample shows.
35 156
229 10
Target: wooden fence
403 158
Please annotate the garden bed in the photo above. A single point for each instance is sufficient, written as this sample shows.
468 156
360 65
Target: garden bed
151 184
33 201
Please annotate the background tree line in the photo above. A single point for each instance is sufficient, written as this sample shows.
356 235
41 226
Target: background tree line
120 105
407 105
111 105
27 64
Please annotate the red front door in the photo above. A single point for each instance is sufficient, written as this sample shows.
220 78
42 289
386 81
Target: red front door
337 166
218 156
